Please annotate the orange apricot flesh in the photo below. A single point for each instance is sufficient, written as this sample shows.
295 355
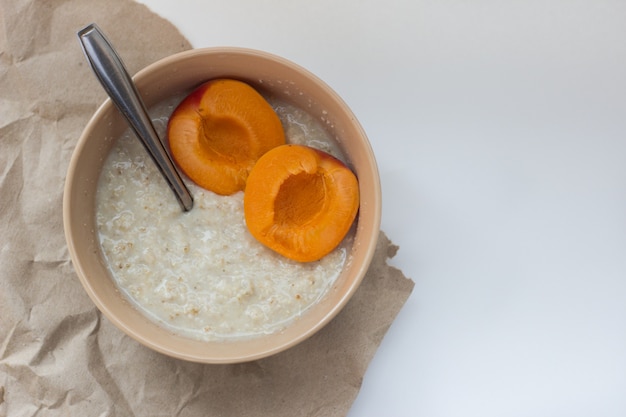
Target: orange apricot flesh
300 202
218 132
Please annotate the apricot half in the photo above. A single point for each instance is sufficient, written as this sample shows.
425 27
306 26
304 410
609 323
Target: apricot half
300 201
219 131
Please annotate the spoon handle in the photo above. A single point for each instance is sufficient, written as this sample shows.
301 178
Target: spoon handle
116 81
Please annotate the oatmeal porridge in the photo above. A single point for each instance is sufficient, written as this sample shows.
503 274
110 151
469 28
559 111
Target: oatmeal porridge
201 273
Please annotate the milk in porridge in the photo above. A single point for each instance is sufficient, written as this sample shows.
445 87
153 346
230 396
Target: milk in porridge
201 273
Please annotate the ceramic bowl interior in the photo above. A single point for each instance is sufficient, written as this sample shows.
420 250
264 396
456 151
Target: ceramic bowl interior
175 75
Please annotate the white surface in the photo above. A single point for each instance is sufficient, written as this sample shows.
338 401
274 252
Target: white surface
500 133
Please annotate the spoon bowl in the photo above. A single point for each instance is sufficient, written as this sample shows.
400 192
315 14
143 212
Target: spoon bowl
177 75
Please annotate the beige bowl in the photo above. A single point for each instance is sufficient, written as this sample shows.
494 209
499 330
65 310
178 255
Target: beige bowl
174 75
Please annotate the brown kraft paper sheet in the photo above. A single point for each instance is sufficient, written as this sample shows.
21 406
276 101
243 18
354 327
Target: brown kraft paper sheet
58 354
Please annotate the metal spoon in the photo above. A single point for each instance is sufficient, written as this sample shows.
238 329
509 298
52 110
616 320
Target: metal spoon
118 84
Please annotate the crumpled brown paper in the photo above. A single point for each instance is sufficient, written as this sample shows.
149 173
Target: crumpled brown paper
58 355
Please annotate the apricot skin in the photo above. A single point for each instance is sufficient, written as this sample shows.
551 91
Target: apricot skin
218 132
300 202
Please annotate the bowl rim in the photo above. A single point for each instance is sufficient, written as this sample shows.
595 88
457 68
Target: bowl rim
71 178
